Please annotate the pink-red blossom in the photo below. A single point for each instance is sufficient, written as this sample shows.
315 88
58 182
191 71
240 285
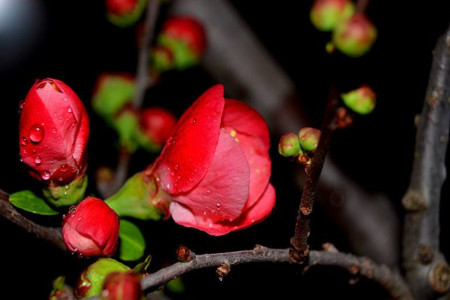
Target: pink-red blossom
91 228
53 132
216 167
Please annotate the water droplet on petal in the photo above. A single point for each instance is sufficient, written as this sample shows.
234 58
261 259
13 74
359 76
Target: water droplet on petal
208 191
54 130
66 187
36 133
65 194
65 99
177 166
194 120
79 219
37 160
69 110
21 104
218 204
64 216
45 175
204 213
23 141
60 178
63 168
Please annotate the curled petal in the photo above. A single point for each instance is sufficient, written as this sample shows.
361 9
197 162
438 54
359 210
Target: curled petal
188 153
222 194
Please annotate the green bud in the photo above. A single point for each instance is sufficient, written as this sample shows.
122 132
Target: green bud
361 100
183 56
355 36
162 59
140 198
127 19
66 195
113 92
309 138
91 280
326 14
127 126
289 145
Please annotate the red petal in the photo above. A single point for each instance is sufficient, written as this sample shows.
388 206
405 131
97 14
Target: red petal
222 194
259 162
255 214
243 118
188 154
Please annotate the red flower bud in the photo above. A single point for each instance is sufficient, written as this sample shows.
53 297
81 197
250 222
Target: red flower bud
216 166
53 132
326 14
122 286
355 36
121 7
188 30
309 138
157 124
91 229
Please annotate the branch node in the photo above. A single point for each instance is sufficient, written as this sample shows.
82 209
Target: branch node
329 247
414 201
439 277
223 270
426 254
184 254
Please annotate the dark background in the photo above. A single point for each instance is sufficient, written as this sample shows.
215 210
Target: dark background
74 42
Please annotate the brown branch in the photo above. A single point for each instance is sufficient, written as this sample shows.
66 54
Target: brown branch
299 243
142 77
50 234
427 272
236 58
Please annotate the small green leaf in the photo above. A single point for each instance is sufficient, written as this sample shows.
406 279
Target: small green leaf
132 242
176 285
143 266
28 201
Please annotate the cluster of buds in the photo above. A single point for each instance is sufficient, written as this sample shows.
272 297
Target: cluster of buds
301 145
112 100
352 32
180 45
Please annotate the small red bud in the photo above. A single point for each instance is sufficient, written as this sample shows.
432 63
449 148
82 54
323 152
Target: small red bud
289 145
122 286
309 138
157 124
91 229
326 14
355 36
121 7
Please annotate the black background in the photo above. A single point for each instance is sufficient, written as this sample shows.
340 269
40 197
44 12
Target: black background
77 43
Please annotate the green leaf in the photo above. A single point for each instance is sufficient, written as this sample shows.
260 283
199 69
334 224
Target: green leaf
132 242
176 285
28 201
143 266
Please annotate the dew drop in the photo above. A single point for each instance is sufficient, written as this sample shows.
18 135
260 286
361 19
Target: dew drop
23 141
72 209
218 205
21 104
64 216
194 120
65 99
63 168
36 133
179 178
37 160
79 219
65 194
54 130
168 186
60 178
177 166
66 187
45 175
69 110
204 213
208 191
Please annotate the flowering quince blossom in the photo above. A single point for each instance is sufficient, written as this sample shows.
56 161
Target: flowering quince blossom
53 135
91 229
216 167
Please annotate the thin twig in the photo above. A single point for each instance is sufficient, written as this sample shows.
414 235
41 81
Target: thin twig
142 80
50 234
299 243
107 188
364 267
427 271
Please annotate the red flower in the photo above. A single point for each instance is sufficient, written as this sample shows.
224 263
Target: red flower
121 7
188 30
91 229
53 132
157 124
216 166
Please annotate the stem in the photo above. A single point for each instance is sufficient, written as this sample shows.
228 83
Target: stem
299 243
361 6
50 234
143 80
109 188
364 267
427 272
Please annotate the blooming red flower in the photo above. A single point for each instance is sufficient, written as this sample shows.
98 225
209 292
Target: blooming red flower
121 7
53 132
91 229
188 30
216 166
157 124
